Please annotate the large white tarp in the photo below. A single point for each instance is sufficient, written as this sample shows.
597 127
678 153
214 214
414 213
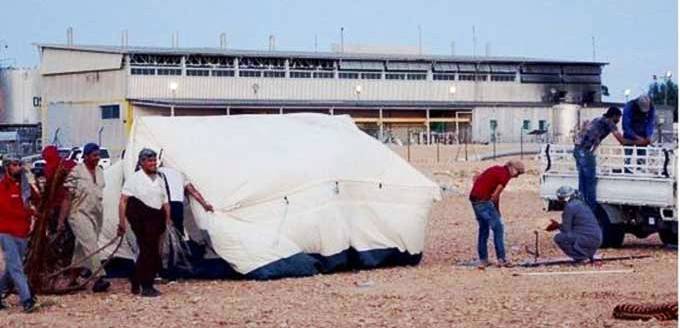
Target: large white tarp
288 184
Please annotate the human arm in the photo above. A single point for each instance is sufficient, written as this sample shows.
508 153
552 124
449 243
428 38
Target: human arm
64 209
554 225
496 196
122 218
627 121
567 219
625 142
651 120
166 211
191 190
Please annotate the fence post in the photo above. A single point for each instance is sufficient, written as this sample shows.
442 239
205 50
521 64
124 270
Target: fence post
437 152
408 145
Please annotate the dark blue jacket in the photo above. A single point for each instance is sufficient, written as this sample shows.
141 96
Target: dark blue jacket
637 123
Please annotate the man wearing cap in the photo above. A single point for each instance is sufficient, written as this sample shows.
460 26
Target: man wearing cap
584 151
639 116
580 235
15 224
485 199
83 201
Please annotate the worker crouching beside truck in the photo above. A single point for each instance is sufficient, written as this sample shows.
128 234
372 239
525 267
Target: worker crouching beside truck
580 235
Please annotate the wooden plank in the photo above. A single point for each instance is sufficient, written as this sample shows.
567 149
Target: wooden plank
570 273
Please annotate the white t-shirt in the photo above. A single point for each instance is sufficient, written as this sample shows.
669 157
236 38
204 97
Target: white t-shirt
177 181
149 191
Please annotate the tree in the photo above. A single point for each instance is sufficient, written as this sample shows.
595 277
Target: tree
665 93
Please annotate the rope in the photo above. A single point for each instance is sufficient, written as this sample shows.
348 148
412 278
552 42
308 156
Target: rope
660 312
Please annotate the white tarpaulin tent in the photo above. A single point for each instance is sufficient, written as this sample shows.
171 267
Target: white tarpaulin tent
293 194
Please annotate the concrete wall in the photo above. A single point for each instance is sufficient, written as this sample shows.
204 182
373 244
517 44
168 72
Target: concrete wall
17 89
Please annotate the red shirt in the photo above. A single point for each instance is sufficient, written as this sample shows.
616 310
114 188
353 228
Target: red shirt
488 181
15 218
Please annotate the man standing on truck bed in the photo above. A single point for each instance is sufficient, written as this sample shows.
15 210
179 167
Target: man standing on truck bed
485 197
638 124
586 145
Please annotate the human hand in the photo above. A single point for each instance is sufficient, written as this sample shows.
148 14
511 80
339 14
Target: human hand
208 208
121 229
552 226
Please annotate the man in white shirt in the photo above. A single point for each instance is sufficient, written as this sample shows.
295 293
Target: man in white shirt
178 185
144 204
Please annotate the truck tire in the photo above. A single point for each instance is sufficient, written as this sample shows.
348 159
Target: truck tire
668 237
612 234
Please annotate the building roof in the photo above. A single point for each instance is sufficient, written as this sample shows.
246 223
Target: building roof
307 54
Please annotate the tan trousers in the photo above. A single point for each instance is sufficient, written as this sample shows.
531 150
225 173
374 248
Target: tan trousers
86 224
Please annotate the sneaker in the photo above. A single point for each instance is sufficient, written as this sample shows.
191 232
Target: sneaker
150 292
29 306
482 264
100 286
505 264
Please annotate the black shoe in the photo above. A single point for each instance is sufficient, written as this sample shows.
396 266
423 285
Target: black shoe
134 288
29 306
150 292
100 286
3 306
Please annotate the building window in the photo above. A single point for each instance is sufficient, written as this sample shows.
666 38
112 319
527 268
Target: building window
371 76
222 73
169 71
323 75
277 74
300 75
542 125
503 77
110 112
526 125
472 77
345 75
143 71
395 76
416 76
444 77
198 72
249 73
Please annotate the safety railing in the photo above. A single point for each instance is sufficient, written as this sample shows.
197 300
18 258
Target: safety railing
624 161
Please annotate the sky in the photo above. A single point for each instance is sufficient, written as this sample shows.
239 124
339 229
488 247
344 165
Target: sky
637 38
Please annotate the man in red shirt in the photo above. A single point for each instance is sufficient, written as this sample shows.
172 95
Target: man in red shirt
485 199
15 223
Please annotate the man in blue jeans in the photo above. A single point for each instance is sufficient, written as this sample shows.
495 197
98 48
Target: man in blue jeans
586 145
485 199
15 222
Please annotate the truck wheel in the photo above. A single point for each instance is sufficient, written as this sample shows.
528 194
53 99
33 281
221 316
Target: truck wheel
668 237
612 234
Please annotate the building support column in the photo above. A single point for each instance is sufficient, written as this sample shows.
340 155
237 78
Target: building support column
280 110
331 111
427 126
228 111
381 134
457 117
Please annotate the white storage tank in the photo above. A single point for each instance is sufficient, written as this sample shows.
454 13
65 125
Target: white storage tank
565 122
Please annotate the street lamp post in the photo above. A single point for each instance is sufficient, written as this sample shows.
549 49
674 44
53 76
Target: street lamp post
173 88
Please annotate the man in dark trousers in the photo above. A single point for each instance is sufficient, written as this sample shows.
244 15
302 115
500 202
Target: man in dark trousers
580 235
15 223
584 151
485 199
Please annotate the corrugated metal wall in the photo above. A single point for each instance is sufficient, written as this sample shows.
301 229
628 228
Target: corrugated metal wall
17 89
80 123
57 61
142 86
94 86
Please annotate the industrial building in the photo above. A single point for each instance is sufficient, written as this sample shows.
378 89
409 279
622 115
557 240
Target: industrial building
94 93
20 131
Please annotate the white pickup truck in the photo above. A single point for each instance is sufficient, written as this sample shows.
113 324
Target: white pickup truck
637 193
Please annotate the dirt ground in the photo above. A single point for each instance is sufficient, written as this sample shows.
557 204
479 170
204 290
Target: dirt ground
438 293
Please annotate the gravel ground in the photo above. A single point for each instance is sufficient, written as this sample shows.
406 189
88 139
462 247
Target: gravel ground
437 293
